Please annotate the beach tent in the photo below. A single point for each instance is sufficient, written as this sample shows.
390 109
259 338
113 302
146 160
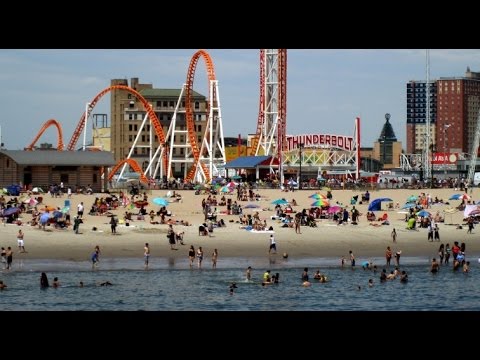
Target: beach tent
376 205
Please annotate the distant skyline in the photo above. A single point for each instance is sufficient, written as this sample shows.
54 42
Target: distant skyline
326 89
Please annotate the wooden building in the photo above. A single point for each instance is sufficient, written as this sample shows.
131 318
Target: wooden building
42 168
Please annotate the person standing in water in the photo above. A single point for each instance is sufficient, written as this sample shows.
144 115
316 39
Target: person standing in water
199 256
214 259
248 274
146 254
44 281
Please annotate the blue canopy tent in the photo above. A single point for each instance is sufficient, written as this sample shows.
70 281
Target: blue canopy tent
376 205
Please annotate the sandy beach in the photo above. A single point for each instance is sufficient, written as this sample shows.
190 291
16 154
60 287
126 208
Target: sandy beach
326 240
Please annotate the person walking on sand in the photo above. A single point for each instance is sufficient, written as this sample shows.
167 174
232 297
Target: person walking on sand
21 243
146 254
113 224
394 235
273 245
214 259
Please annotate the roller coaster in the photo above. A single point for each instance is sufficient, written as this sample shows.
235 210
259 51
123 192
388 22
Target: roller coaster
203 159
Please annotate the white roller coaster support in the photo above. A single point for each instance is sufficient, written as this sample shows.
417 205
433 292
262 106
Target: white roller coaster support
213 143
474 152
133 146
268 137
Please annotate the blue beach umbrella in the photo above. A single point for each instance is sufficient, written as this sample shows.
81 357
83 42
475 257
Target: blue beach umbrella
160 201
423 213
455 197
280 202
10 211
409 205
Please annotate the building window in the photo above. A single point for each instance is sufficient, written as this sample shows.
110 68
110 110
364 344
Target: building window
165 104
94 178
130 116
130 127
197 105
183 104
172 104
131 105
129 96
181 151
199 128
135 128
174 151
8 163
159 103
143 138
181 139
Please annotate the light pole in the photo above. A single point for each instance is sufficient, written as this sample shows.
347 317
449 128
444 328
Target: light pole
445 127
300 147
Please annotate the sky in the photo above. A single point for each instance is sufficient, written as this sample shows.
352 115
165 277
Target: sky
326 89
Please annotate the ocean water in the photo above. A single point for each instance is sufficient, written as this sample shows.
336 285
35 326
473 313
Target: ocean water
170 285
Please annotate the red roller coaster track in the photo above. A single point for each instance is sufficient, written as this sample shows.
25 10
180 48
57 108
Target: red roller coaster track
282 103
45 126
192 135
134 165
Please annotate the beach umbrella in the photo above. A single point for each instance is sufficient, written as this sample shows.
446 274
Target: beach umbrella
423 213
226 189
412 198
334 209
11 210
236 177
320 202
38 190
57 214
141 203
280 202
474 212
409 205
403 212
376 205
66 209
251 206
49 208
455 197
318 196
160 201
